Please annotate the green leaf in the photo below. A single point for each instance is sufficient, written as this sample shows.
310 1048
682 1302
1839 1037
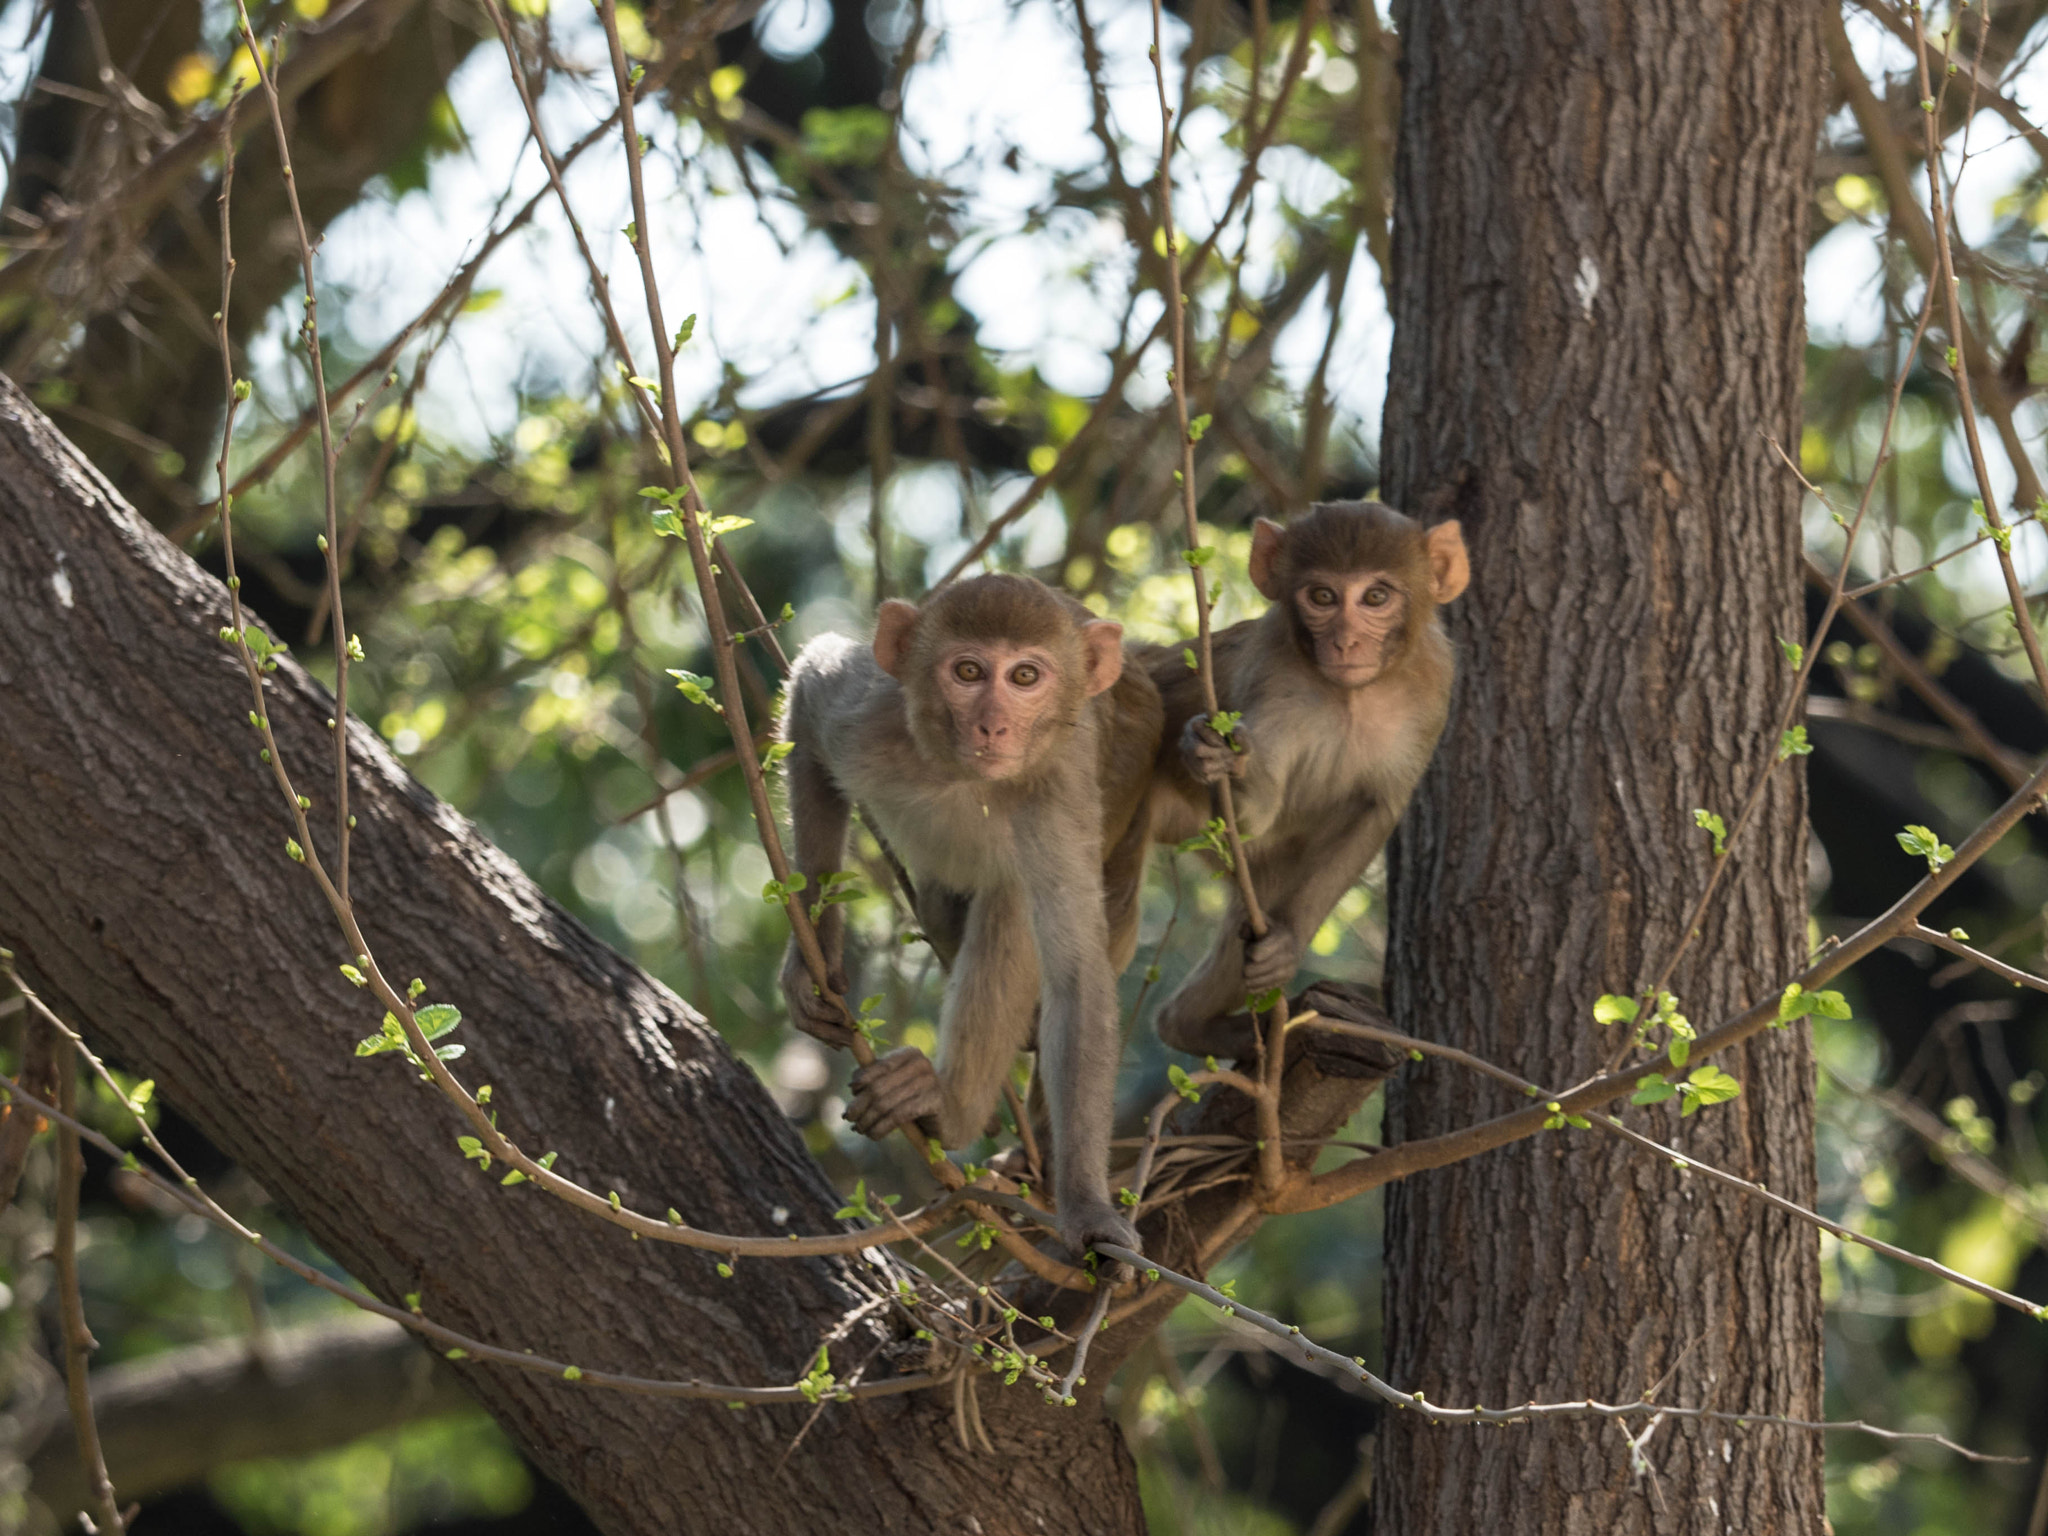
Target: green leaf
1183 1084
1192 661
839 885
1200 555
776 892
1199 427
1794 654
685 331
1921 842
1794 744
1708 1085
715 527
355 977
696 689
572 1373
668 524
436 1019
1652 1090
1715 828
1680 1051
777 751
1612 1008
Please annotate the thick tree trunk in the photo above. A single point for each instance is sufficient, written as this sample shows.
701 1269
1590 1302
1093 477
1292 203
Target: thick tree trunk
146 887
1599 238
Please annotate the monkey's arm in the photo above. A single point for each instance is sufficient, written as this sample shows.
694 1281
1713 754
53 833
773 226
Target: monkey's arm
819 816
1079 1041
984 1022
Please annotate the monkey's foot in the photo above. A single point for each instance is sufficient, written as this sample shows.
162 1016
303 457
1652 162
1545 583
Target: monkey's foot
894 1091
1270 961
1084 1222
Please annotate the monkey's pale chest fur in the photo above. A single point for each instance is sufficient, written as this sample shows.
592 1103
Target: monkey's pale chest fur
958 834
1311 759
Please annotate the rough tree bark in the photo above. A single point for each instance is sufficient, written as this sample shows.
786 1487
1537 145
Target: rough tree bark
1599 238
146 888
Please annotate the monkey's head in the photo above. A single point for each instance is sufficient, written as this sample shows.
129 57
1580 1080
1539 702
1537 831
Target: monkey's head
994 670
1360 583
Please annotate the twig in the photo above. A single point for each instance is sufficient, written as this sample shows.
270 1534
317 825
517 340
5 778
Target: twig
78 1340
1271 1040
1954 946
329 541
1089 1329
1945 279
186 1192
1353 1368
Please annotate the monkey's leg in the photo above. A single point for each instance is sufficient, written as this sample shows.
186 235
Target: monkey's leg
1203 1016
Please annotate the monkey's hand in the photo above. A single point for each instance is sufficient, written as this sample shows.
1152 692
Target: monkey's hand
819 1017
1270 961
1086 1222
893 1091
1208 756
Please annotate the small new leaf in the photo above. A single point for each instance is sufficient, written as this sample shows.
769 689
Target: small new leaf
696 689
1183 1085
1922 843
1611 1008
1707 1085
1794 744
1715 828
1794 654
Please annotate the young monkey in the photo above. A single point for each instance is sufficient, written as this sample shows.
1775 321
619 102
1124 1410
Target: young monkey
1343 685
996 741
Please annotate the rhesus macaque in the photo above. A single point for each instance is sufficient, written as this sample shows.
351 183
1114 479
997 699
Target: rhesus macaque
1342 685
995 739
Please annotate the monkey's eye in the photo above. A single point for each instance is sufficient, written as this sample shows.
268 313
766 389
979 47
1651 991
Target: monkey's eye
1378 597
1025 675
1322 597
968 671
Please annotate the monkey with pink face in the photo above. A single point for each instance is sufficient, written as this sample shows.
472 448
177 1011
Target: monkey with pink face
998 744
1343 686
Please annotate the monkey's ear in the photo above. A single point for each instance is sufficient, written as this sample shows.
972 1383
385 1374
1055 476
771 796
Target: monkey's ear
1449 571
1102 647
1268 539
894 621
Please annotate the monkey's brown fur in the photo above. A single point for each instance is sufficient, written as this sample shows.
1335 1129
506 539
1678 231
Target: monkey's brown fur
1342 705
1001 747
